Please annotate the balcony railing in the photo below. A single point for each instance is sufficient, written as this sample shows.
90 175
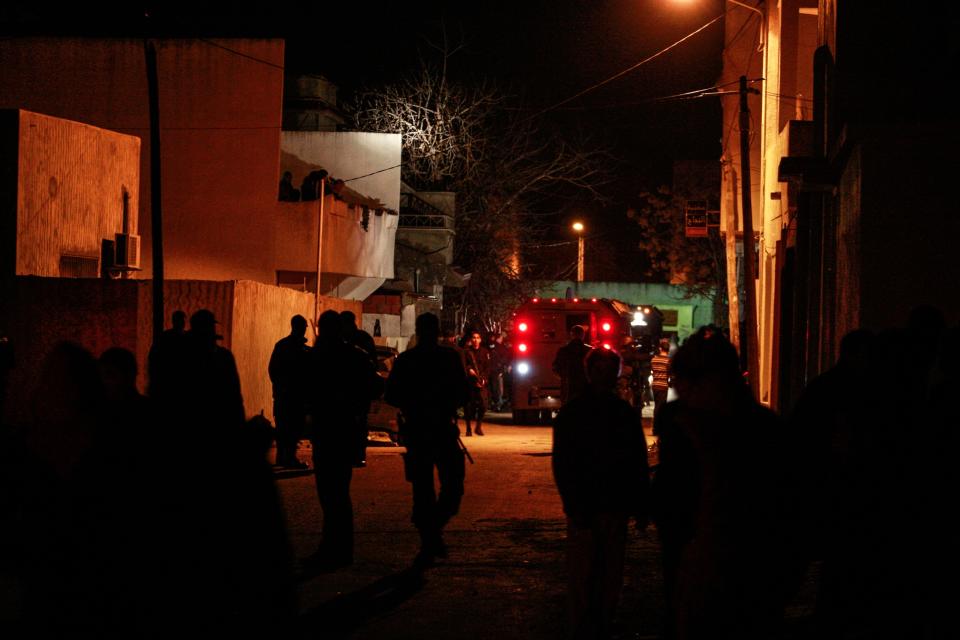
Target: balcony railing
416 213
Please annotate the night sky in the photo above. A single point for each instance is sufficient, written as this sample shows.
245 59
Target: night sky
541 51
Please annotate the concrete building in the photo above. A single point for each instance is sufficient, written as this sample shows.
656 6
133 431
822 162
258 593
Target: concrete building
221 109
851 163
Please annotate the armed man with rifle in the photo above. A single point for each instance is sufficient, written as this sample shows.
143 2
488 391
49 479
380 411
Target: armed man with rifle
428 384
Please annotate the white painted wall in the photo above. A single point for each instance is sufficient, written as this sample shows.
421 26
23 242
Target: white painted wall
346 155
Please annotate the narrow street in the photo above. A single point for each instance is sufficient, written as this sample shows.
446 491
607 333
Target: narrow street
505 577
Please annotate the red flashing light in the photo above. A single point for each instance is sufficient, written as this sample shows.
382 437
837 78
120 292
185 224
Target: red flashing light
535 300
523 326
593 299
606 345
522 348
605 326
553 299
576 299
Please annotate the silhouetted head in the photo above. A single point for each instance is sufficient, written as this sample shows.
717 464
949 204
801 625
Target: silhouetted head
348 322
179 320
298 325
857 348
203 325
706 370
329 327
427 328
577 332
603 369
664 345
287 176
69 388
118 370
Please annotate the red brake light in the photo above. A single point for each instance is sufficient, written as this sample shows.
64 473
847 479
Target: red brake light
535 300
522 348
605 326
593 300
553 299
576 299
522 326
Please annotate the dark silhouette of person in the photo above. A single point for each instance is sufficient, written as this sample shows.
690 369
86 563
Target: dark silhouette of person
850 423
128 411
310 187
166 352
600 467
287 192
359 338
499 360
343 382
356 336
932 484
288 375
568 364
53 533
223 531
724 501
478 371
428 384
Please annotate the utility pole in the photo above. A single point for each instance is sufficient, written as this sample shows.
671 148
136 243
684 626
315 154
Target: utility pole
316 308
749 354
156 217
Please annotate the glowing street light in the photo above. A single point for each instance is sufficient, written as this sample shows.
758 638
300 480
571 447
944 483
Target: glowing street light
578 227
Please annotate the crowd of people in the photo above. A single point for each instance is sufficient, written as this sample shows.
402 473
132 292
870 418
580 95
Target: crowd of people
855 480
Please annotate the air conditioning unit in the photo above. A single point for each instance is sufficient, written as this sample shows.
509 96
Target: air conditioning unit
127 247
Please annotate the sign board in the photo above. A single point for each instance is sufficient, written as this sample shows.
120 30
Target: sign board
696 219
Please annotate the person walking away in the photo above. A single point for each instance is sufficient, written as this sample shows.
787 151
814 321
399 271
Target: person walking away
342 383
723 500
568 364
288 371
359 338
600 468
499 358
428 383
478 369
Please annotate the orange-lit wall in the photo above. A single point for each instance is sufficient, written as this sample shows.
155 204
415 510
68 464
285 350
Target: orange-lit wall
69 186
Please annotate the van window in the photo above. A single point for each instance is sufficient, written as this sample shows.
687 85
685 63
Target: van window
547 325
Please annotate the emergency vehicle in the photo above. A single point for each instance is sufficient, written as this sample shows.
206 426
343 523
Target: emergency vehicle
542 325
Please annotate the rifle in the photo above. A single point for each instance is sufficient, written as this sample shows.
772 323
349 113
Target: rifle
463 448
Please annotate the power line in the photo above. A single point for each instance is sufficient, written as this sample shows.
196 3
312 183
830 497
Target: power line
242 54
628 69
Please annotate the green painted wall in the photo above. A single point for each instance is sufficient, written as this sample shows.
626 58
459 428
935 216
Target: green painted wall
692 312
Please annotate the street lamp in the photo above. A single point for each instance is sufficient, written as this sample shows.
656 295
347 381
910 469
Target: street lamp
578 227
